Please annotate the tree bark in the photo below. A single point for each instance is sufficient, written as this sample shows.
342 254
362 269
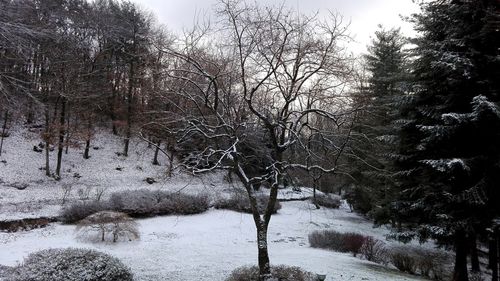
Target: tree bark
62 132
474 257
493 256
4 130
155 159
128 130
264 264
47 140
68 118
460 271
87 141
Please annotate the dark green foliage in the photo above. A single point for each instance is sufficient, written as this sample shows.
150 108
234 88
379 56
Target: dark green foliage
360 198
239 202
448 162
279 272
71 264
373 136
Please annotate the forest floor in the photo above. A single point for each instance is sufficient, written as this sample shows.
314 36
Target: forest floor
207 246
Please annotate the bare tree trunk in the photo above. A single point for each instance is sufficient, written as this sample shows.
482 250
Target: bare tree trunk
460 271
4 130
155 159
62 132
474 257
263 257
47 141
493 256
87 141
261 225
30 114
129 109
66 145
112 111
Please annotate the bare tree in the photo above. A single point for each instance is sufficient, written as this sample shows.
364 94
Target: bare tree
241 98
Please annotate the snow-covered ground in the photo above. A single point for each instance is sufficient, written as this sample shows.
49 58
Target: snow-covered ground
207 246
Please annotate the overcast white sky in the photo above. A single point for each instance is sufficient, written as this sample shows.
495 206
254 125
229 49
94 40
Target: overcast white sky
364 15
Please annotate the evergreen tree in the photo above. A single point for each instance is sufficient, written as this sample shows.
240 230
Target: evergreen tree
449 163
373 137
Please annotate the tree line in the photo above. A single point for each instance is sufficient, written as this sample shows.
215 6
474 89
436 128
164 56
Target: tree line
411 129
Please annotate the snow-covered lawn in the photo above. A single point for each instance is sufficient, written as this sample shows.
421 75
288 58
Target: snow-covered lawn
198 247
208 246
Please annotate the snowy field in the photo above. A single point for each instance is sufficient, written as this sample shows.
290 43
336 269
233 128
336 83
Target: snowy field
207 246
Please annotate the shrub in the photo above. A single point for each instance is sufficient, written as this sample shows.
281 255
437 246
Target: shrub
280 272
374 250
80 210
71 265
139 203
404 260
182 204
107 223
135 202
337 241
328 201
353 242
427 262
239 202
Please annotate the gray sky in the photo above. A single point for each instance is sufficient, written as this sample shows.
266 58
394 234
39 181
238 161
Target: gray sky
364 15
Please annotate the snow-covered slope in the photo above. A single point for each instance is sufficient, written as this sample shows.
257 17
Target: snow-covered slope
85 178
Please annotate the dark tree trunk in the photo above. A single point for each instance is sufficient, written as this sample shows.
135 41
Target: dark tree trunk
47 141
4 130
261 225
128 130
264 264
474 257
112 106
87 148
157 149
68 118
493 256
87 141
460 271
62 132
30 115
315 185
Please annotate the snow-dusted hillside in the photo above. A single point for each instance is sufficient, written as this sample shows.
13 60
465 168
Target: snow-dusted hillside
197 247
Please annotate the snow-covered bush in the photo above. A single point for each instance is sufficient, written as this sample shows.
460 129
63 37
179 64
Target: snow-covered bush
145 202
337 241
71 264
239 202
427 262
280 272
108 223
182 204
404 260
375 250
328 200
80 210
140 202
